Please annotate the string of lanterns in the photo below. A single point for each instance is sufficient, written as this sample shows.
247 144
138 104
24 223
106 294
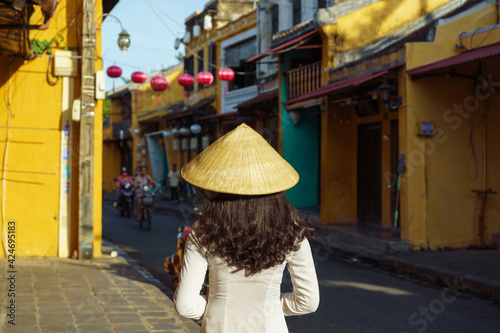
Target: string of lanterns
160 83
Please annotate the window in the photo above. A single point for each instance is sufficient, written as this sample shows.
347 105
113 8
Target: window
275 15
200 60
212 59
297 9
189 68
235 58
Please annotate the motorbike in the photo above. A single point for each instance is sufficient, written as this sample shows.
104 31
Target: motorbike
126 201
173 262
147 203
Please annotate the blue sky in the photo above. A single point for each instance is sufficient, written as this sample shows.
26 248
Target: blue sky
153 26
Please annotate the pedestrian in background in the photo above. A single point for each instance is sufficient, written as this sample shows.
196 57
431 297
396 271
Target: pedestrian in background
173 181
142 180
247 232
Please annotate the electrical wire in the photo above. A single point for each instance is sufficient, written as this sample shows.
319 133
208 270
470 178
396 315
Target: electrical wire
51 83
160 10
194 54
142 46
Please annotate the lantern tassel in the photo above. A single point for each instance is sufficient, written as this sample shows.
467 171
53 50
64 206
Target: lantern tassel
159 99
185 96
225 88
138 94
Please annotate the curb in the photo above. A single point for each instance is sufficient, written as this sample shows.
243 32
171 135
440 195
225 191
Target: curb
468 284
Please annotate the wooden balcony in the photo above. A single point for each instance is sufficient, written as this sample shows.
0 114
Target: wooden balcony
303 80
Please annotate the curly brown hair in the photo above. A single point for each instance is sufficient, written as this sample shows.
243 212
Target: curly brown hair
251 232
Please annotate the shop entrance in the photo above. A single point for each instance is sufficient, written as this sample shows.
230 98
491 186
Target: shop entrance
369 173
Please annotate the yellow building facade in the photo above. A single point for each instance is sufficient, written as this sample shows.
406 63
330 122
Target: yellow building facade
452 83
371 46
39 141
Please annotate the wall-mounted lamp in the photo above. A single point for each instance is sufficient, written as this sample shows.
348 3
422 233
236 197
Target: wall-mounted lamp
167 134
136 131
175 131
177 43
295 116
385 89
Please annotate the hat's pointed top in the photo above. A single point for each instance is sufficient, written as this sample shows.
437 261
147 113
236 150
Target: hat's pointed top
240 162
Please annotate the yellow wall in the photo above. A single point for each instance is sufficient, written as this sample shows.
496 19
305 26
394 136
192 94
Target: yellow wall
444 212
111 157
30 147
338 201
443 169
447 36
375 21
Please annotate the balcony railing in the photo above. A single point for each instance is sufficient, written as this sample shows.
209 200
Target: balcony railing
303 80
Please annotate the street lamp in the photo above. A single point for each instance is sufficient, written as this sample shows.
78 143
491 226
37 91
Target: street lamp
385 89
123 37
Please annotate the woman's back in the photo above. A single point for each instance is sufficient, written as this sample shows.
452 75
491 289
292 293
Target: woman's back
246 303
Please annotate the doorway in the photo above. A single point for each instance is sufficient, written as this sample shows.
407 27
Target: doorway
370 173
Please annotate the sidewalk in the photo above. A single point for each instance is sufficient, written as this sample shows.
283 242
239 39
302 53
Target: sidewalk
105 295
471 271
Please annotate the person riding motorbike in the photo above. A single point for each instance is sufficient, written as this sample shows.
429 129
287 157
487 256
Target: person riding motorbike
122 179
141 180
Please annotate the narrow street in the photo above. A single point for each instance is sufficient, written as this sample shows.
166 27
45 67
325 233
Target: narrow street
354 297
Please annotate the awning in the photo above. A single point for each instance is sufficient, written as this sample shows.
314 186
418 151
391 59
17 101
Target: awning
219 115
339 85
305 104
260 98
477 54
296 41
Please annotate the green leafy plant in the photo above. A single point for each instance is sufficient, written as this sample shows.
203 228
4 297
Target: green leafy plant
40 47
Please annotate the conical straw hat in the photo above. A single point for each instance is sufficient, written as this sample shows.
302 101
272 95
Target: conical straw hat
240 162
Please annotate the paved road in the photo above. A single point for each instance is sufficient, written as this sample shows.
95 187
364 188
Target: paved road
354 297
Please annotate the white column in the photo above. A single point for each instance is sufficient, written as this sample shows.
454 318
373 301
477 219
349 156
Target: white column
65 167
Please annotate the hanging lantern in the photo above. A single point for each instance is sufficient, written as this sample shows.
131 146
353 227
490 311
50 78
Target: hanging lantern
186 80
159 83
204 78
195 129
184 131
139 77
225 74
114 71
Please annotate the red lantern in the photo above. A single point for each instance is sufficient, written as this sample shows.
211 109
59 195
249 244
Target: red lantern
159 83
114 71
186 80
139 77
204 78
225 74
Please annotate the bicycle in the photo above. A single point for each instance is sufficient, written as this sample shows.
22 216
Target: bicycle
147 204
